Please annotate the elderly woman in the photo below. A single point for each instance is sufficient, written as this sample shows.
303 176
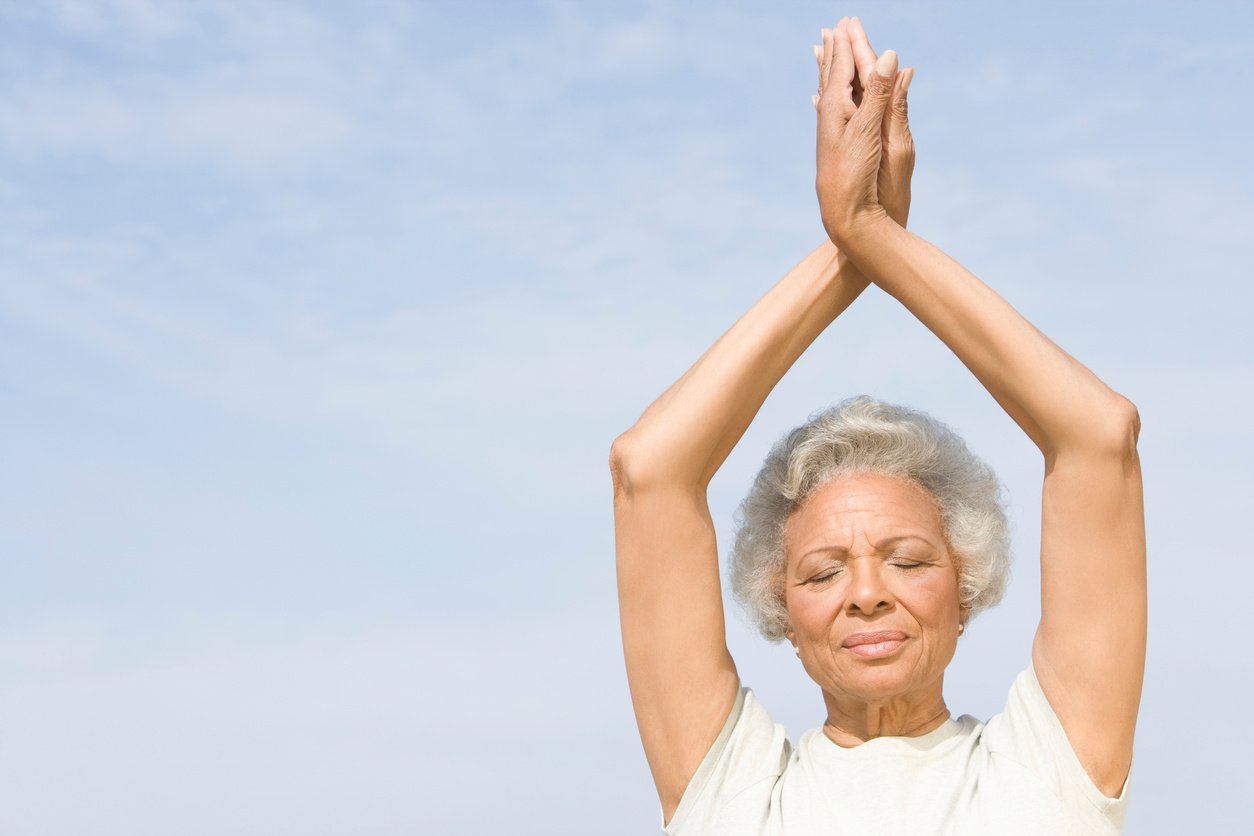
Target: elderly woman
870 539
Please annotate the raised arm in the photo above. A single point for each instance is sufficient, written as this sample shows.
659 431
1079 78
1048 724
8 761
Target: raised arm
682 677
1089 649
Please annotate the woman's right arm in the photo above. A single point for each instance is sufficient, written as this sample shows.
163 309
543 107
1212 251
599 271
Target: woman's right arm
682 677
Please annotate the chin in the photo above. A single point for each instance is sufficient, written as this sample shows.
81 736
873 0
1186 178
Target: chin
882 683
882 678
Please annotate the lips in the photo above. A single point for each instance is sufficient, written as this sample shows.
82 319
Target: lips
874 638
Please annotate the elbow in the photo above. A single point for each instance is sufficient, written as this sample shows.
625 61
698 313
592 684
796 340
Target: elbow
1134 423
1112 430
643 460
1123 424
619 457
637 463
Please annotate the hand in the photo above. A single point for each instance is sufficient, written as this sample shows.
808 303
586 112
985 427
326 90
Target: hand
865 151
896 143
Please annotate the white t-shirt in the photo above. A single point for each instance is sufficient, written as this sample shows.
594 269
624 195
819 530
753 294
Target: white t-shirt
1016 774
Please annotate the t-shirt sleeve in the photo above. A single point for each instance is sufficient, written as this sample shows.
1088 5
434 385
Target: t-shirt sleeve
1029 732
751 749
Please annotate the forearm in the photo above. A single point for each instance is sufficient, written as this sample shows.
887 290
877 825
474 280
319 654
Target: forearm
1057 402
688 432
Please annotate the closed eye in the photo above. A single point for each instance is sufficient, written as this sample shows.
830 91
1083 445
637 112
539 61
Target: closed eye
907 565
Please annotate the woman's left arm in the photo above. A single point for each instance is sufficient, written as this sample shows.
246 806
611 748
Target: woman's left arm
1089 649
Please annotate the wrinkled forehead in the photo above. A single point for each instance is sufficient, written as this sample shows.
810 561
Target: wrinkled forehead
863 512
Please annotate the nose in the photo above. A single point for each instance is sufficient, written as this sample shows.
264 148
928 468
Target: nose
868 593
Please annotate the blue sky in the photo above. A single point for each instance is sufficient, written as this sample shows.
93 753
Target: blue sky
317 321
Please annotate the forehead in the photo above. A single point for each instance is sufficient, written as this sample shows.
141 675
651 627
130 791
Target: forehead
861 510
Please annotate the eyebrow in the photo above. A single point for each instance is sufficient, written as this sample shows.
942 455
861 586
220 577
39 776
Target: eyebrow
880 546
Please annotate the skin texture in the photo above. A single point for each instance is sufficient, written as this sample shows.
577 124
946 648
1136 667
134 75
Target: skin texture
851 134
682 677
1090 645
1089 648
894 163
866 552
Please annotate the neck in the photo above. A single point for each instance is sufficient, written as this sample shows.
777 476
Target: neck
852 721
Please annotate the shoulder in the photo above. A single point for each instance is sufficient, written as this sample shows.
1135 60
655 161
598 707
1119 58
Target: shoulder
750 750
1029 734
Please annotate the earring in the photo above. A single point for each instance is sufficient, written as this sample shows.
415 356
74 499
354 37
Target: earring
796 649
961 627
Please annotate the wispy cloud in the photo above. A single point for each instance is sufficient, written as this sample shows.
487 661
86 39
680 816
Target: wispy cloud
312 311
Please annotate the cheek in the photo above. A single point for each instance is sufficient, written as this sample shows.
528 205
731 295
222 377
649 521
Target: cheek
934 599
806 608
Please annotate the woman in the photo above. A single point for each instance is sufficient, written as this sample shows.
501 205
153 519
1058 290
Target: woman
870 539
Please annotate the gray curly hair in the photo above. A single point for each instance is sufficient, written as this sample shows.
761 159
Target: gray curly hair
864 435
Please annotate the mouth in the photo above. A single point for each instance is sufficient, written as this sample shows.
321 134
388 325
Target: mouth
873 637
875 645
876 650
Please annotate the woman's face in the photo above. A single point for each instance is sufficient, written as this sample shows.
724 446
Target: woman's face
866 553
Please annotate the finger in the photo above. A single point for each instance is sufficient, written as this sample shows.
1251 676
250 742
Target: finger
821 55
870 115
858 37
864 55
847 27
894 115
840 66
825 59
901 112
818 57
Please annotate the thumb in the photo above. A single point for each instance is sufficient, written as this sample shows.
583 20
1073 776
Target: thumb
870 115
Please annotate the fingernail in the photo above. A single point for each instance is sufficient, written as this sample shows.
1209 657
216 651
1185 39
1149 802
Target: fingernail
818 53
905 82
886 66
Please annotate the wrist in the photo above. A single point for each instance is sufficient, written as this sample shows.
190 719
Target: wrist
899 214
863 234
842 272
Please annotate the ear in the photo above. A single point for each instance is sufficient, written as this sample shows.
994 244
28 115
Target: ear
792 636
